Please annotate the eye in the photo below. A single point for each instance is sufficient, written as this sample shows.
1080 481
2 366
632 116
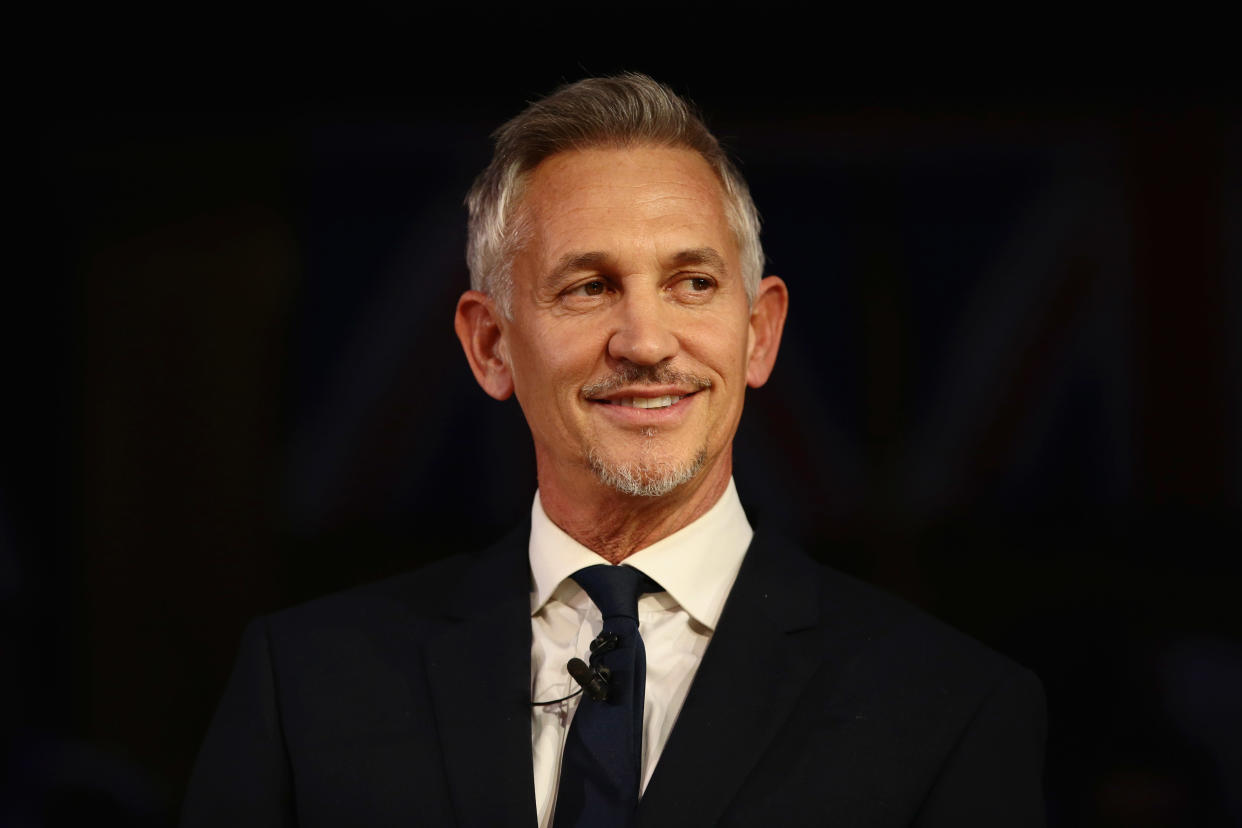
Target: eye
595 287
694 287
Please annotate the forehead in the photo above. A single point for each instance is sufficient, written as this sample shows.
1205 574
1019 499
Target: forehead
600 198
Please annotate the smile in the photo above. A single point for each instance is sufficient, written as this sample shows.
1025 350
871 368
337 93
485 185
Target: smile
644 402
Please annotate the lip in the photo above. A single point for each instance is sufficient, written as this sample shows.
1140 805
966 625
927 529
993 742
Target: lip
646 391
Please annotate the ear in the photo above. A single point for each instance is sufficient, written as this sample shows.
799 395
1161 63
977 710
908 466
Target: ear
479 327
767 321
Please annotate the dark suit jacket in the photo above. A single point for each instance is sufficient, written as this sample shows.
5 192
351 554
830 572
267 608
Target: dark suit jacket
820 701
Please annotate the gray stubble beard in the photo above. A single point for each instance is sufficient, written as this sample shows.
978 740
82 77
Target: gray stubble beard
645 478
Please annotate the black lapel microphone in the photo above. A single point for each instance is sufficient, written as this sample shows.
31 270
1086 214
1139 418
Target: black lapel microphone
592 678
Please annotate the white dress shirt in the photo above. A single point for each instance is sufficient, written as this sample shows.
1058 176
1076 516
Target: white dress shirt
695 565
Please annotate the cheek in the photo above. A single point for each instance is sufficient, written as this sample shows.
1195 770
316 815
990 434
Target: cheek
573 346
724 346
553 364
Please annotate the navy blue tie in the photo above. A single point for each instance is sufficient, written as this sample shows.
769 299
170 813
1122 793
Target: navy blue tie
603 752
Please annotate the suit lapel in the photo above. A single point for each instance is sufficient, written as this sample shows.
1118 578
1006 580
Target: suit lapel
478 667
757 664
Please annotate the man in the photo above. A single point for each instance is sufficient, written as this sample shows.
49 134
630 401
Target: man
616 268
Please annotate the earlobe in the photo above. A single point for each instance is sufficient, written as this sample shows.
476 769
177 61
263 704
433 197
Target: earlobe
481 332
767 322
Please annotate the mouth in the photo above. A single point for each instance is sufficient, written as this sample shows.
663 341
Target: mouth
648 388
645 402
646 408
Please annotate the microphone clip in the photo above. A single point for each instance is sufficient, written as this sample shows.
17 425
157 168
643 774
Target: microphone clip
593 678
603 643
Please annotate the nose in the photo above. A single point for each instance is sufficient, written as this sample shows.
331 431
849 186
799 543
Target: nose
643 333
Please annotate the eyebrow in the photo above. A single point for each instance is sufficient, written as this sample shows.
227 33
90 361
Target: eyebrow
572 263
700 256
576 263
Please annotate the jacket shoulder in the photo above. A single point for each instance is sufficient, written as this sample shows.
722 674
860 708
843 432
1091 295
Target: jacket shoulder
888 625
419 598
421 593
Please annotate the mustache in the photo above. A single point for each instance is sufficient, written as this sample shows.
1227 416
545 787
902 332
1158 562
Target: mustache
631 374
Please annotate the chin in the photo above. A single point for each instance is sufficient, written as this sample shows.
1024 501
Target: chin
645 477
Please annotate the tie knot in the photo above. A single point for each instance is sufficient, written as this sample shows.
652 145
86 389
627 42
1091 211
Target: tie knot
615 589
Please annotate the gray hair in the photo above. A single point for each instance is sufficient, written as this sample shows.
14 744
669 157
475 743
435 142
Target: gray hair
625 110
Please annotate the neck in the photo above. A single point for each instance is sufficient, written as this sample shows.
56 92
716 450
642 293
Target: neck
615 525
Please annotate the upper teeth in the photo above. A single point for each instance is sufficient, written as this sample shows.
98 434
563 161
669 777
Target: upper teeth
646 402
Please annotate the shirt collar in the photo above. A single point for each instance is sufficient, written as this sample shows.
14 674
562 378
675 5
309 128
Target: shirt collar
696 564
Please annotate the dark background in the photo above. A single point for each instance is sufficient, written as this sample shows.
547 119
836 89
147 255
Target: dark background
1009 389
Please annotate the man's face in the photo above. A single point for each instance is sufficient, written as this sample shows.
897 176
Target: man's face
630 335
